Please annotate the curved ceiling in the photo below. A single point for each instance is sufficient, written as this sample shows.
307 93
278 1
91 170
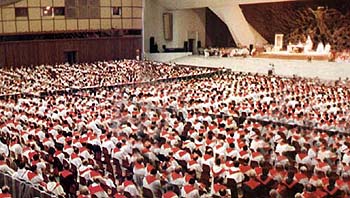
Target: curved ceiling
187 4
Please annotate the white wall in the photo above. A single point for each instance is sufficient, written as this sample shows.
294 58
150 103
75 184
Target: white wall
153 23
229 12
183 21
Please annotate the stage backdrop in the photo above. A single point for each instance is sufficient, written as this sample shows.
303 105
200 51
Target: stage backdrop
298 19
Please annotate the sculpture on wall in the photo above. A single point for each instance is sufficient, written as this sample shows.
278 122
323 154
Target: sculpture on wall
319 15
323 25
295 19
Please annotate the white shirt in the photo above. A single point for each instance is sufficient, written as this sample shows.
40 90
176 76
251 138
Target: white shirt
4 149
55 188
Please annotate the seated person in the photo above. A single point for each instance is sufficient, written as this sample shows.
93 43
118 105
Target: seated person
5 192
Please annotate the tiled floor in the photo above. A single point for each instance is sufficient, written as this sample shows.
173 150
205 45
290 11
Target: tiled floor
322 69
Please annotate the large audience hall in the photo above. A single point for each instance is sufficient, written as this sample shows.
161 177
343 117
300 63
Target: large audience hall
147 129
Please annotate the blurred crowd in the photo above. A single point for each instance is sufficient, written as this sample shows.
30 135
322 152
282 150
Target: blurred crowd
44 78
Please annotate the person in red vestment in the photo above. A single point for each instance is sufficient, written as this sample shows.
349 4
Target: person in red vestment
5 192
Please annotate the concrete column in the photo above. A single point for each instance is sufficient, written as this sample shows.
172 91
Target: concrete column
242 32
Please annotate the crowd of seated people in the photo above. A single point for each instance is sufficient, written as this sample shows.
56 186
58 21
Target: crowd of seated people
227 52
230 135
58 77
5 192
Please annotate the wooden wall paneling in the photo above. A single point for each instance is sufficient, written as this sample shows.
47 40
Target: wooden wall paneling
44 52
106 49
4 60
53 54
90 56
15 56
123 48
83 53
55 51
130 48
74 46
115 48
59 55
52 51
138 45
94 49
64 46
110 49
91 50
27 51
2 55
33 54
11 58
67 45
41 58
102 49
118 50
99 53
21 53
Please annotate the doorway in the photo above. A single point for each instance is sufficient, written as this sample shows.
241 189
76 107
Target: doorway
191 45
70 57
192 38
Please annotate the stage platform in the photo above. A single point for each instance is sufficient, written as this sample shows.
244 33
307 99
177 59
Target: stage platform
293 56
166 57
322 69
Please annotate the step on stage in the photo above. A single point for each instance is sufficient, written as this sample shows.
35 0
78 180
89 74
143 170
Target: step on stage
286 67
294 56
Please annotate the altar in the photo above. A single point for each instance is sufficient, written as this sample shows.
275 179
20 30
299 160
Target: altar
294 56
295 48
299 51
